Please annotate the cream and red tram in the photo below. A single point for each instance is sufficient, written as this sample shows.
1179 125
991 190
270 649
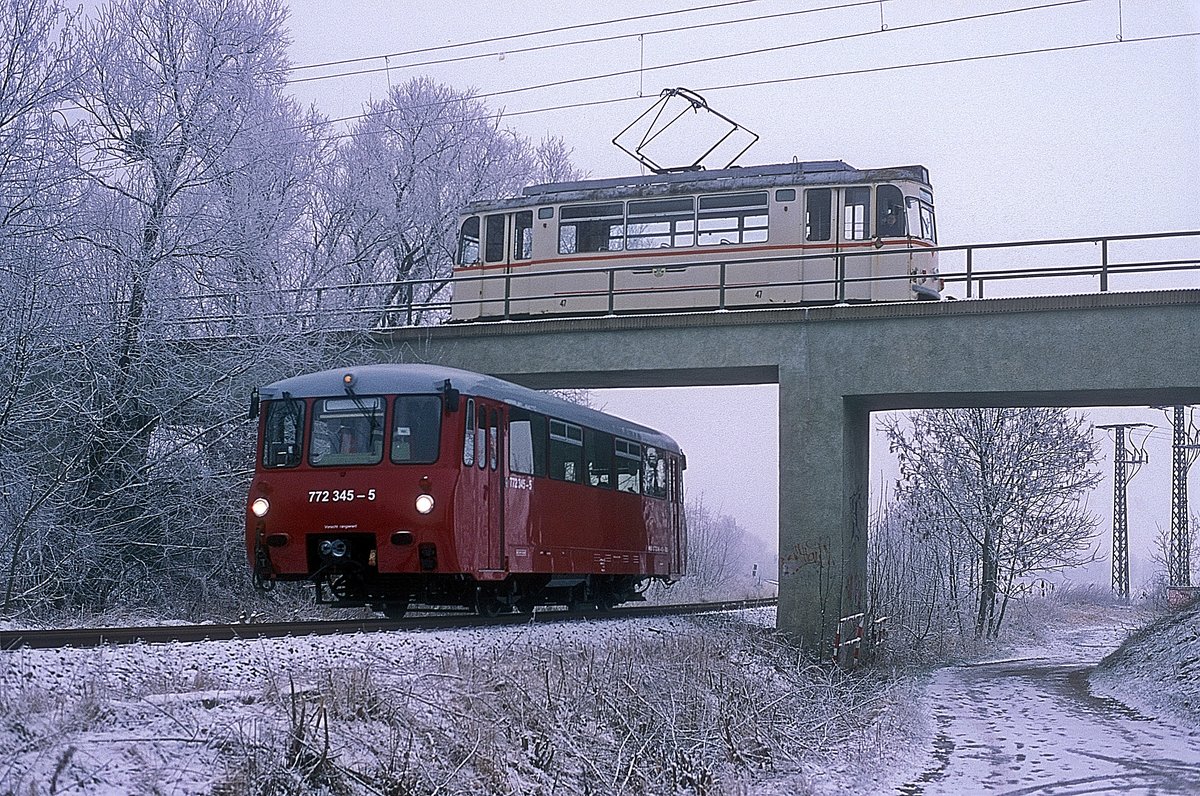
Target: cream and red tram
787 234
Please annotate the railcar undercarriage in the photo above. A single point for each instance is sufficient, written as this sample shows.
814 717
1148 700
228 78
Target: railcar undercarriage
394 595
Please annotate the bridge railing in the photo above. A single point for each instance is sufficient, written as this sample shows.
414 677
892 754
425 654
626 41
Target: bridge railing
1036 267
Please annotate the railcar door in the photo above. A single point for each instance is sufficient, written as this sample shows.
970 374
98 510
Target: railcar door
491 466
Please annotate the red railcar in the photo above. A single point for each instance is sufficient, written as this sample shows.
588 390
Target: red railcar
388 485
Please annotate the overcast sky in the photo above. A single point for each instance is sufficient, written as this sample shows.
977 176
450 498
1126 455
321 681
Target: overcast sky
1101 138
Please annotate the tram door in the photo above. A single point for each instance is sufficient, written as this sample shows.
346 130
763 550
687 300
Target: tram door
819 269
853 235
844 221
495 265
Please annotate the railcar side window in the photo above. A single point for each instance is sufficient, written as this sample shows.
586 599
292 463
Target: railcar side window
733 218
493 240
347 431
889 209
526 442
468 241
629 466
598 454
416 429
523 235
856 213
494 440
481 436
469 435
566 451
661 223
654 472
818 212
591 228
283 433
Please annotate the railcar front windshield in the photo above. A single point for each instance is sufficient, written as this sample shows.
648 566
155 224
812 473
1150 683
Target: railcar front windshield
416 429
346 431
283 433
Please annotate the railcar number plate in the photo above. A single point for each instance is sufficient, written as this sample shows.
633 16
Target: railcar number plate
338 495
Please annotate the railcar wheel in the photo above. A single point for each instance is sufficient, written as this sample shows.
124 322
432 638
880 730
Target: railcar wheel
486 603
395 610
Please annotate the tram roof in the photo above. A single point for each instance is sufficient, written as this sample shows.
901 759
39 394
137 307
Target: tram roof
779 175
421 379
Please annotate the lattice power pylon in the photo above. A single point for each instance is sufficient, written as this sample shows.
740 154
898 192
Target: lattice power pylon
1125 467
1185 445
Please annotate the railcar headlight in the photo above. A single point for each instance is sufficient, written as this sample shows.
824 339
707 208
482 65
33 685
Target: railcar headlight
424 504
260 507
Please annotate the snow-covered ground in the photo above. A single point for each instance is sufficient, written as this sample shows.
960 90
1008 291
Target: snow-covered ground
702 705
1036 722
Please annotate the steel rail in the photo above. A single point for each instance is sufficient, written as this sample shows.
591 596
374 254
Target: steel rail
101 636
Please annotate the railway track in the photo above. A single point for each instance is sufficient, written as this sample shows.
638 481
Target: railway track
99 636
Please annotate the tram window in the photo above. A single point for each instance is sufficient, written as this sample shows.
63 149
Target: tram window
347 431
469 435
468 241
785 195
733 218
661 223
856 213
523 235
493 240
923 213
545 212
591 228
629 466
566 451
818 214
416 429
283 434
654 473
598 455
526 442
890 218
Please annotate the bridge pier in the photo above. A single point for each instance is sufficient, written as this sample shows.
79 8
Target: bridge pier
824 449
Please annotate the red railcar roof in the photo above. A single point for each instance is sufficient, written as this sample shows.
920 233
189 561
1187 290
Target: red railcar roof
420 379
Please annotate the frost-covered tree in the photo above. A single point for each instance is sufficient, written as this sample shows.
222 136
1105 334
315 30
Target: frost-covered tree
398 184
721 553
176 114
158 189
38 193
1006 487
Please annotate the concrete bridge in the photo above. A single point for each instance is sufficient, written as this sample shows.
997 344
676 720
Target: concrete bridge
834 366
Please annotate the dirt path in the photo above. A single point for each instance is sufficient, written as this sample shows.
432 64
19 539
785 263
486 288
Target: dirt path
1029 725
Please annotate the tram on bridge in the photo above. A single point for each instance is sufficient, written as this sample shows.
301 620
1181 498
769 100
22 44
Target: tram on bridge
792 234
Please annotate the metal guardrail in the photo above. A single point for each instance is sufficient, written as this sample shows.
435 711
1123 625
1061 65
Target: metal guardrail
383 305
858 639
